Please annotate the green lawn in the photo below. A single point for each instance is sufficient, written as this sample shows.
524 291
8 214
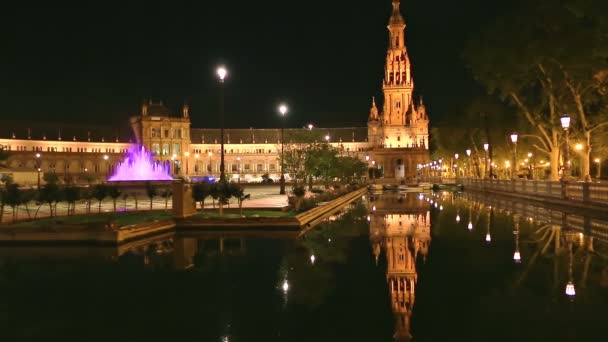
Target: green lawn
122 219
129 218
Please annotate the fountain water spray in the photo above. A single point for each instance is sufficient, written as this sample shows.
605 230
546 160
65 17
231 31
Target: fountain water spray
139 165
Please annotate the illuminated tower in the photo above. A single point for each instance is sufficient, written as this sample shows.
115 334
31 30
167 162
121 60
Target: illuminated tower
399 135
398 84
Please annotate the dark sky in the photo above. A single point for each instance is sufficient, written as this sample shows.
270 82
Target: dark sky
95 61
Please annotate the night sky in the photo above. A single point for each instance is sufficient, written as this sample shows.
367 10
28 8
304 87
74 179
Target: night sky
95 62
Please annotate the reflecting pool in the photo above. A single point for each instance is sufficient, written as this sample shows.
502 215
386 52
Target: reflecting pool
391 267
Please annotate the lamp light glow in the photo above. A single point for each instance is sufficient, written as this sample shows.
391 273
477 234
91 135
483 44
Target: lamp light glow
517 257
565 120
221 73
570 291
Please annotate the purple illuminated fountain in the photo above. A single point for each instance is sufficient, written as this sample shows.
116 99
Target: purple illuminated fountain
139 165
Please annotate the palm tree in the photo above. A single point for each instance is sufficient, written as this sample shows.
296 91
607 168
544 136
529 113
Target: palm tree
49 194
71 194
166 194
100 192
134 194
151 192
12 196
237 191
114 193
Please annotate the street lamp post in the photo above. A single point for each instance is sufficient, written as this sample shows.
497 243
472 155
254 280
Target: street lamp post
238 165
514 137
470 173
282 111
456 165
38 168
221 73
187 155
532 165
486 147
599 167
374 169
105 164
210 167
565 121
196 164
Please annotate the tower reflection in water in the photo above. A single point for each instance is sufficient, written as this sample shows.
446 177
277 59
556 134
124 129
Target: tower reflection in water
400 229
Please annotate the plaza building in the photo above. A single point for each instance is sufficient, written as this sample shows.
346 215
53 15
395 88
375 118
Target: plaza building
394 142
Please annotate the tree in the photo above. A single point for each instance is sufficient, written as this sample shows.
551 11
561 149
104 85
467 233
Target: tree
114 192
12 197
200 191
297 150
222 190
321 162
166 194
125 197
87 195
151 192
553 65
237 191
50 177
6 180
100 192
350 167
50 194
71 194
3 157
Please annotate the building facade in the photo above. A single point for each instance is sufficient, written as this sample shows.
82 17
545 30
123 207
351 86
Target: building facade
394 142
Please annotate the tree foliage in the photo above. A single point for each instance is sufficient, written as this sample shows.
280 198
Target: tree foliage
554 63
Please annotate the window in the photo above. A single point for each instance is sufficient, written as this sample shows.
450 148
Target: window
156 149
260 167
247 167
234 168
155 133
272 167
166 132
398 138
165 149
177 133
177 148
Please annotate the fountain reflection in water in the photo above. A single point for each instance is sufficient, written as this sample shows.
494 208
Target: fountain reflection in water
139 165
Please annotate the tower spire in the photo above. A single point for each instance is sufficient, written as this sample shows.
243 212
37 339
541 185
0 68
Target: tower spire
396 18
373 111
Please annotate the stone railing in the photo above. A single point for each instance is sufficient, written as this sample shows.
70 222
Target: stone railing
586 192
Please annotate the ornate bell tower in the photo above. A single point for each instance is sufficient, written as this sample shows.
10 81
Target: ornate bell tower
398 84
398 136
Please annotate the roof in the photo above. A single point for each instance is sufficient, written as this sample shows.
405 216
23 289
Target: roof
158 109
272 135
12 129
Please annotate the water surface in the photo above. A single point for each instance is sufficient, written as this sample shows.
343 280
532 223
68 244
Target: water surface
393 267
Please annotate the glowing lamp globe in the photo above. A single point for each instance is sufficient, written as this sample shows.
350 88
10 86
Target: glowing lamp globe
517 257
565 120
570 291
